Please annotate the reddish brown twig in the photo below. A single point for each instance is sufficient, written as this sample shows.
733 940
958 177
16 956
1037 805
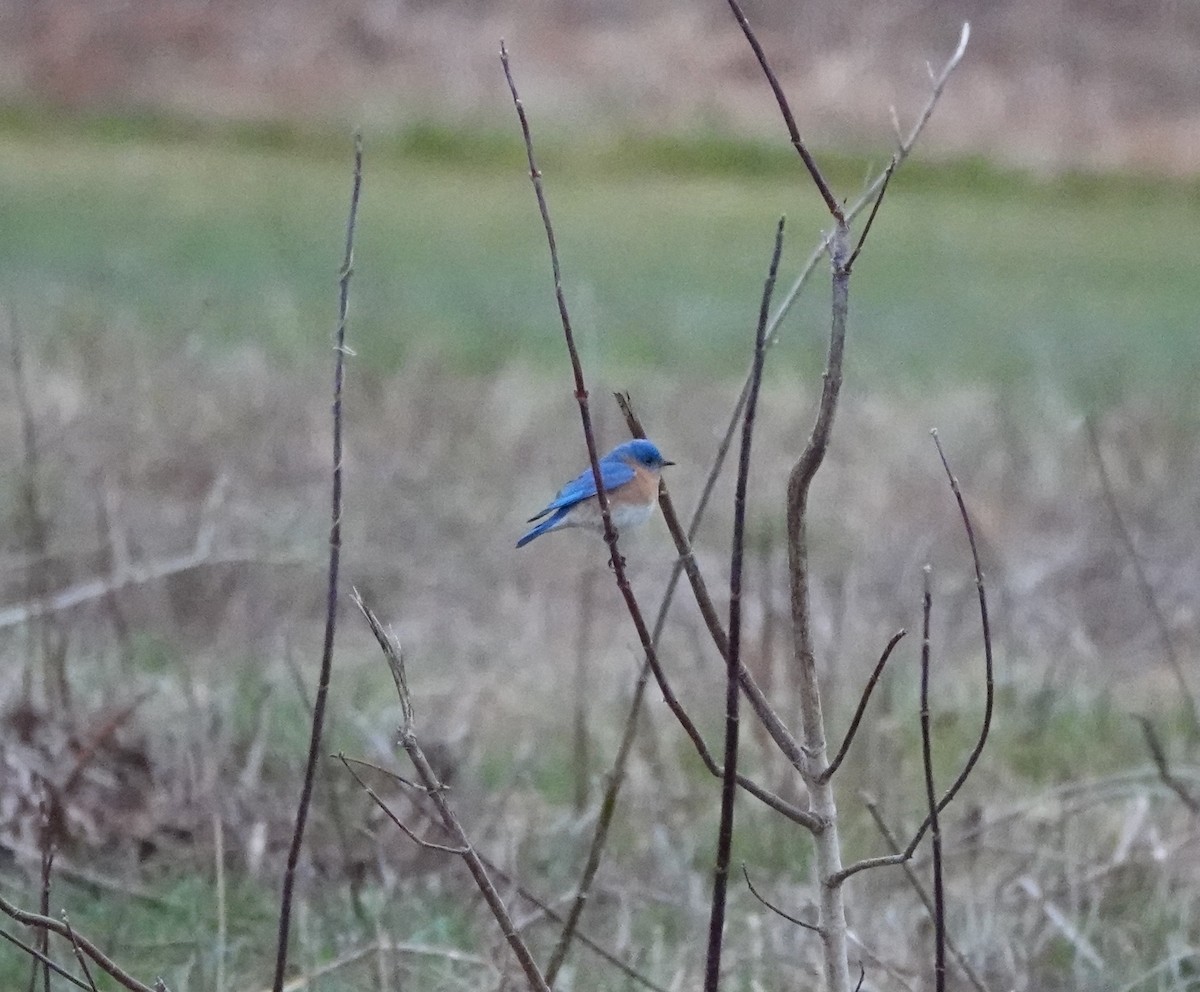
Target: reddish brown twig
335 549
716 922
935 830
862 705
555 916
789 118
399 824
862 238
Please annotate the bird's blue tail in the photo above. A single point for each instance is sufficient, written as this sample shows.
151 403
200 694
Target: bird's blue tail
548 524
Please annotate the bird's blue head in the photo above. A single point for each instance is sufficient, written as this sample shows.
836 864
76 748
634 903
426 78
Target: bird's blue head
640 452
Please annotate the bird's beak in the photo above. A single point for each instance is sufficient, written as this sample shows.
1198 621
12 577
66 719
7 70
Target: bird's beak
665 464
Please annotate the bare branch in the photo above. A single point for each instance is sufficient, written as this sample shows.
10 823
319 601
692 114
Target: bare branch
939 905
106 964
789 119
400 824
335 549
81 958
926 900
862 705
37 955
716 923
581 393
989 685
862 238
775 726
552 914
775 909
581 396
436 790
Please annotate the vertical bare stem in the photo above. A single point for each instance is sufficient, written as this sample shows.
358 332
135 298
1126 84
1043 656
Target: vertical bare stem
335 549
931 797
716 923
828 848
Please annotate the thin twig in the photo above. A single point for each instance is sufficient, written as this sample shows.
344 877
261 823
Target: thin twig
989 685
775 909
1170 655
935 830
788 117
106 964
716 922
403 827
437 793
555 916
79 955
581 393
335 548
926 900
1159 757
862 238
37 955
862 705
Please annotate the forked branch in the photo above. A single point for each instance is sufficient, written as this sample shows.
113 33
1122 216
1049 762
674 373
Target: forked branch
102 960
989 686
436 791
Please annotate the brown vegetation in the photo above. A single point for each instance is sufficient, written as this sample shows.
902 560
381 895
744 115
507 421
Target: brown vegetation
1050 85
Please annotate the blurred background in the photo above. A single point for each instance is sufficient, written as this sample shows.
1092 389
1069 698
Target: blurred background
174 181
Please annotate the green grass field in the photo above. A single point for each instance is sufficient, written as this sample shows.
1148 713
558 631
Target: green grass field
974 276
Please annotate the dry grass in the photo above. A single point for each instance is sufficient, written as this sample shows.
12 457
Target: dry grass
1069 865
1048 85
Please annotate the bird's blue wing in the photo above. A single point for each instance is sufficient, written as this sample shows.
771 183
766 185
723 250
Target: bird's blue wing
614 473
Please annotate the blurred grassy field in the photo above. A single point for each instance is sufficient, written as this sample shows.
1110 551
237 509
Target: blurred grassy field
1082 285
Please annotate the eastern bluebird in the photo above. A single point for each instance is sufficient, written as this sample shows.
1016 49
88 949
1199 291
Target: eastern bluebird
630 473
